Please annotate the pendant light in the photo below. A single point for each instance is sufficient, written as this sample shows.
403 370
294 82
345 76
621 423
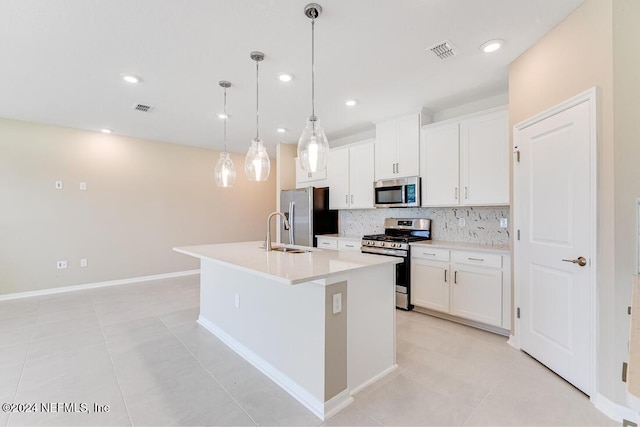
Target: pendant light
257 165
225 172
313 147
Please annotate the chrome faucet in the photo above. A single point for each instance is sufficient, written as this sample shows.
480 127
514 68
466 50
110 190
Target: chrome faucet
267 240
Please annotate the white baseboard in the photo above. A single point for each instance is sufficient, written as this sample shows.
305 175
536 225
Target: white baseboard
97 285
366 384
311 402
614 410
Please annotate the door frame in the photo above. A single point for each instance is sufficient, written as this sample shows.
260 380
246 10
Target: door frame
590 96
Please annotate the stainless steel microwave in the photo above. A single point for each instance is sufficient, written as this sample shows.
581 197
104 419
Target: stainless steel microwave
397 193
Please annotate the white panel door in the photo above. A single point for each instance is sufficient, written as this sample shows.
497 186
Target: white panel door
484 159
361 177
553 205
408 146
338 178
440 165
386 149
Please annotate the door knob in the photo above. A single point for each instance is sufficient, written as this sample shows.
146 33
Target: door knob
581 261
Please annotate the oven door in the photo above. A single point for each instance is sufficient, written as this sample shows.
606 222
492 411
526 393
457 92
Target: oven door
401 276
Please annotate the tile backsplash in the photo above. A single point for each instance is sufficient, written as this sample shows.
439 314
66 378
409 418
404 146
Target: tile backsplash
482 224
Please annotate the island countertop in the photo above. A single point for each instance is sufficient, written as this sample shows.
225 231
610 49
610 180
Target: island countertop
290 268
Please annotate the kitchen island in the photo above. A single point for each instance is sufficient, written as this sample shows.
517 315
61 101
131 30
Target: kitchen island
321 324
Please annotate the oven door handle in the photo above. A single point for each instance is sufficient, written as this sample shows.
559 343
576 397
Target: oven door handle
381 251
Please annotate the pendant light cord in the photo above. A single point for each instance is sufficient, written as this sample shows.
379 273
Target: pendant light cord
225 119
257 101
313 90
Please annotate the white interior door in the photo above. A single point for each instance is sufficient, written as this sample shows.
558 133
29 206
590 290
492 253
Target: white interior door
555 216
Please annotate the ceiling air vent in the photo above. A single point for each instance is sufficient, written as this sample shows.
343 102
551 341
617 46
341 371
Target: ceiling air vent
142 107
443 50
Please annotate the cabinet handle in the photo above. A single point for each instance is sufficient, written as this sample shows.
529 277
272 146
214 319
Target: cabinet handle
309 174
397 167
349 246
476 259
426 253
466 193
326 243
394 167
456 190
455 277
352 199
445 276
346 198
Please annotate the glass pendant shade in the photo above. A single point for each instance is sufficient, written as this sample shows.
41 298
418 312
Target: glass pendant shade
225 172
257 165
313 147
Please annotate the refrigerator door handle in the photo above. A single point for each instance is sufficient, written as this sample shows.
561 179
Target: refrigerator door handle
292 219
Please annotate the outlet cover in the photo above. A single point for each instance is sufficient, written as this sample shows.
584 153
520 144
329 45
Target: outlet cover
61 264
461 222
83 186
83 262
58 185
504 223
337 303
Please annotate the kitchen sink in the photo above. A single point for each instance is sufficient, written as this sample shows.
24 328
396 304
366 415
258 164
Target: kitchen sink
289 250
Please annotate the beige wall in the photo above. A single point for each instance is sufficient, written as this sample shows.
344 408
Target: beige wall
143 198
592 47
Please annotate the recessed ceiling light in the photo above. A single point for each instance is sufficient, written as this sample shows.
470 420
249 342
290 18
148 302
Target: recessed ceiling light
491 45
223 116
281 130
350 102
131 78
285 77
105 130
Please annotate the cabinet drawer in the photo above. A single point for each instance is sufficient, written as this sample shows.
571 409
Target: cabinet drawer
325 243
425 252
348 245
477 258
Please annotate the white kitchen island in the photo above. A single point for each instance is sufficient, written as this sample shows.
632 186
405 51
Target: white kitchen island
320 324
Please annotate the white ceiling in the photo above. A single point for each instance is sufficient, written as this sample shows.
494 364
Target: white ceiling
62 61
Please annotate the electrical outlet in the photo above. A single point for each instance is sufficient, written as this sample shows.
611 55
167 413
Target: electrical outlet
83 262
337 303
504 223
61 264
58 185
83 186
461 222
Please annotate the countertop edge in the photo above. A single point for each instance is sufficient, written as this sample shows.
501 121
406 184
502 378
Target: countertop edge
464 246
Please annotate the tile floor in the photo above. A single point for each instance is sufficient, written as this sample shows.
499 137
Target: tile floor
138 349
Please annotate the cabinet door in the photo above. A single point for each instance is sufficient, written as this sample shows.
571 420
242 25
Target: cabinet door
440 171
304 178
361 163
386 153
338 178
408 163
476 294
484 159
430 284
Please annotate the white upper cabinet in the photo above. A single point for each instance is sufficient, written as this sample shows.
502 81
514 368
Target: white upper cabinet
397 147
350 176
306 179
466 161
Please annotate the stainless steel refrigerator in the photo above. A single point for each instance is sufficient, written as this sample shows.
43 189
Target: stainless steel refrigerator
307 210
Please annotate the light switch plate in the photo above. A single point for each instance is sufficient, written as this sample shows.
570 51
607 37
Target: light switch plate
83 262
461 222
337 303
504 223
83 186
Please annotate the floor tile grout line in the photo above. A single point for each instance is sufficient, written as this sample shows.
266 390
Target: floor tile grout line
495 386
210 374
115 372
24 363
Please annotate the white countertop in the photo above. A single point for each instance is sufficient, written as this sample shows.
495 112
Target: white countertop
498 249
285 267
357 237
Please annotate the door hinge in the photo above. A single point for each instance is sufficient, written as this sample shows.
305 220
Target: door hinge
518 233
624 372
629 310
518 156
518 312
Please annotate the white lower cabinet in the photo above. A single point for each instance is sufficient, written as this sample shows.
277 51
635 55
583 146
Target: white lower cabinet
340 243
470 285
327 243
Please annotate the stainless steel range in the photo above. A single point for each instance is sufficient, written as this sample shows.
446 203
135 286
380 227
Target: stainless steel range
398 233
